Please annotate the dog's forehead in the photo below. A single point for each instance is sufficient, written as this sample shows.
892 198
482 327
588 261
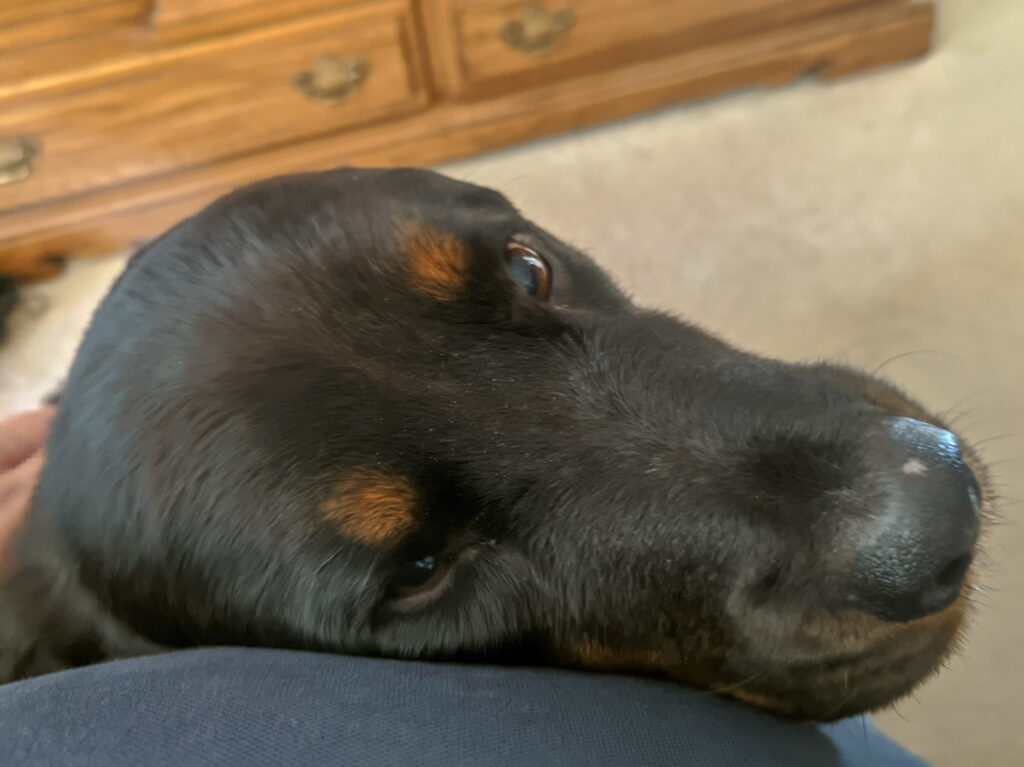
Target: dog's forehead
429 188
420 195
404 235
418 229
354 207
433 221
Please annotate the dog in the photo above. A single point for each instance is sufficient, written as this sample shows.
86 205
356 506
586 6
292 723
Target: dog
379 412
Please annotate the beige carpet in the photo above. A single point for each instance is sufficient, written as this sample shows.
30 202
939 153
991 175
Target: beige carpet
856 220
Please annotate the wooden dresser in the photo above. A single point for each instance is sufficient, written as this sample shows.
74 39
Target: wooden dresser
119 117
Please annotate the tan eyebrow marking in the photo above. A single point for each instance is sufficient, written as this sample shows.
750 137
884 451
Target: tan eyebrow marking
372 507
438 264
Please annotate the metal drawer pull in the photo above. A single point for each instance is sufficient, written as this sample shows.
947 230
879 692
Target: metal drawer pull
332 80
17 153
539 30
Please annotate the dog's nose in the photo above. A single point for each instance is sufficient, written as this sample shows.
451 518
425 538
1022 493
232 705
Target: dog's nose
915 551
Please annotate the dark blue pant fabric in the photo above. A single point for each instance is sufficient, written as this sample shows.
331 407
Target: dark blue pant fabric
268 708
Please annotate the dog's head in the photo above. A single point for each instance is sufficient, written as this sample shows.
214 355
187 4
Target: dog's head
381 412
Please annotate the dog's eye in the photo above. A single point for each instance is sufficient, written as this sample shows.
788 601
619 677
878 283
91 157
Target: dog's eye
419 577
530 270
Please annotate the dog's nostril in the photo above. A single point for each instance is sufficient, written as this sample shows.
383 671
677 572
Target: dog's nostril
917 547
952 575
909 575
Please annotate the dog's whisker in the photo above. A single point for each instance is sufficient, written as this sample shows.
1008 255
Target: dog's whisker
997 438
999 462
896 710
964 400
849 691
955 419
330 558
740 684
903 355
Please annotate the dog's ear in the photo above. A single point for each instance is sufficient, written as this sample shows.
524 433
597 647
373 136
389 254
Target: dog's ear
48 620
23 651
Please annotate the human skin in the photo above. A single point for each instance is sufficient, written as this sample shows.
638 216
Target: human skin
22 441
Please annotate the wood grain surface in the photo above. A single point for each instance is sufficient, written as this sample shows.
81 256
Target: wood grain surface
128 153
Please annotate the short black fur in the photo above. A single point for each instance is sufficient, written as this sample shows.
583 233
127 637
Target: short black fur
615 488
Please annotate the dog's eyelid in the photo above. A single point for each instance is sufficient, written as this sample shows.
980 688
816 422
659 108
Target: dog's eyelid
532 243
546 249
526 239
440 581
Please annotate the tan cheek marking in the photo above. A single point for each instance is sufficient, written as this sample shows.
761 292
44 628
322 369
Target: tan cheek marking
593 654
372 507
753 698
438 264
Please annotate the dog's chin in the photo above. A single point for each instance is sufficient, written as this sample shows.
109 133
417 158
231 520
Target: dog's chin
816 667
882 663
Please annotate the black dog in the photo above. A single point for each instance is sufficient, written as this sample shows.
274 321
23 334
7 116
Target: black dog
379 412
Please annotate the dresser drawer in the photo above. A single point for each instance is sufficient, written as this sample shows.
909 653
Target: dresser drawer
178 11
515 43
191 105
24 26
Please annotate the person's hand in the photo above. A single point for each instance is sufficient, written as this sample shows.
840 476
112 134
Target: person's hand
22 438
